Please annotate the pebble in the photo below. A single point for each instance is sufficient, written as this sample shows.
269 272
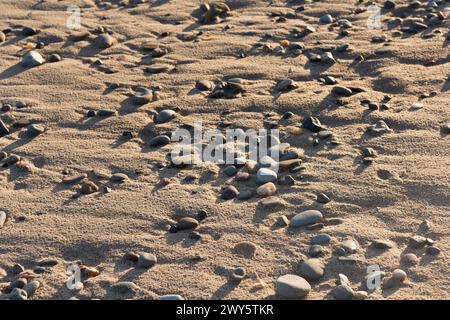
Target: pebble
389 5
142 95
315 250
445 129
146 260
17 268
327 57
119 177
194 235
88 187
266 190
32 59
343 292
282 221
11 160
29 31
417 242
246 249
201 215
326 19
369 152
54 58
165 116
323 198
305 218
230 171
322 238
18 294
238 274
204 85
312 124
187 223
104 41
31 287
285 85
106 112
265 175
2 37
292 286
19 283
342 91
35 129
312 269
383 244
245 195
229 193
131 256
433 250
330 80
379 127
3 129
159 141
2 218
349 245
410 259
242 176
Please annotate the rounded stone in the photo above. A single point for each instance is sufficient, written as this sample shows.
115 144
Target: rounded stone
266 190
410 259
238 274
165 116
323 198
305 218
31 287
349 246
54 58
229 193
123 288
2 218
187 223
104 41
315 250
32 59
399 275
245 195
2 37
326 19
382 244
312 269
265 175
246 249
230 171
322 238
433 250
18 294
204 85
159 141
292 286
146 260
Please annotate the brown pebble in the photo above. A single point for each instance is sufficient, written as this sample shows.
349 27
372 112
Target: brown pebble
88 187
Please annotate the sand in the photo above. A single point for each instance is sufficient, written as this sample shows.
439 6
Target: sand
407 183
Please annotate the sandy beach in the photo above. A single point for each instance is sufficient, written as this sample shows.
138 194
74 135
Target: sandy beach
360 99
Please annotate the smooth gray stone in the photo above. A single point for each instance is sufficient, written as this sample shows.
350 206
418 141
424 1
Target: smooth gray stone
165 116
159 141
306 218
146 260
312 269
32 59
321 239
292 286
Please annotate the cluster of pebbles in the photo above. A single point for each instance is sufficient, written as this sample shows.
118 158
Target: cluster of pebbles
247 180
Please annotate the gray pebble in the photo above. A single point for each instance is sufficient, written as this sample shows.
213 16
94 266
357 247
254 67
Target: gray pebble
165 116
306 218
229 193
104 41
312 269
159 141
322 238
292 286
343 292
230 171
187 223
32 59
106 113
315 250
18 294
119 177
171 297
265 175
322 198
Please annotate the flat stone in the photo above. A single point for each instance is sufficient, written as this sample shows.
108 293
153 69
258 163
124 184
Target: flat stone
142 95
32 59
187 223
349 245
326 19
229 193
292 286
124 288
245 195
380 127
230 171
31 287
17 268
89 187
146 260
119 177
342 91
312 269
433 250
159 141
106 113
3 129
282 221
383 244
265 175
165 116
266 190
417 242
322 238
285 85
305 218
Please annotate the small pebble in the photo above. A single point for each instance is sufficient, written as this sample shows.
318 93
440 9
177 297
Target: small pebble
292 286
266 190
146 260
312 269
32 59
229 193
187 223
305 218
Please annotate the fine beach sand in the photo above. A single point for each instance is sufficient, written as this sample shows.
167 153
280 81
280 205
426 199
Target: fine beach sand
407 183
